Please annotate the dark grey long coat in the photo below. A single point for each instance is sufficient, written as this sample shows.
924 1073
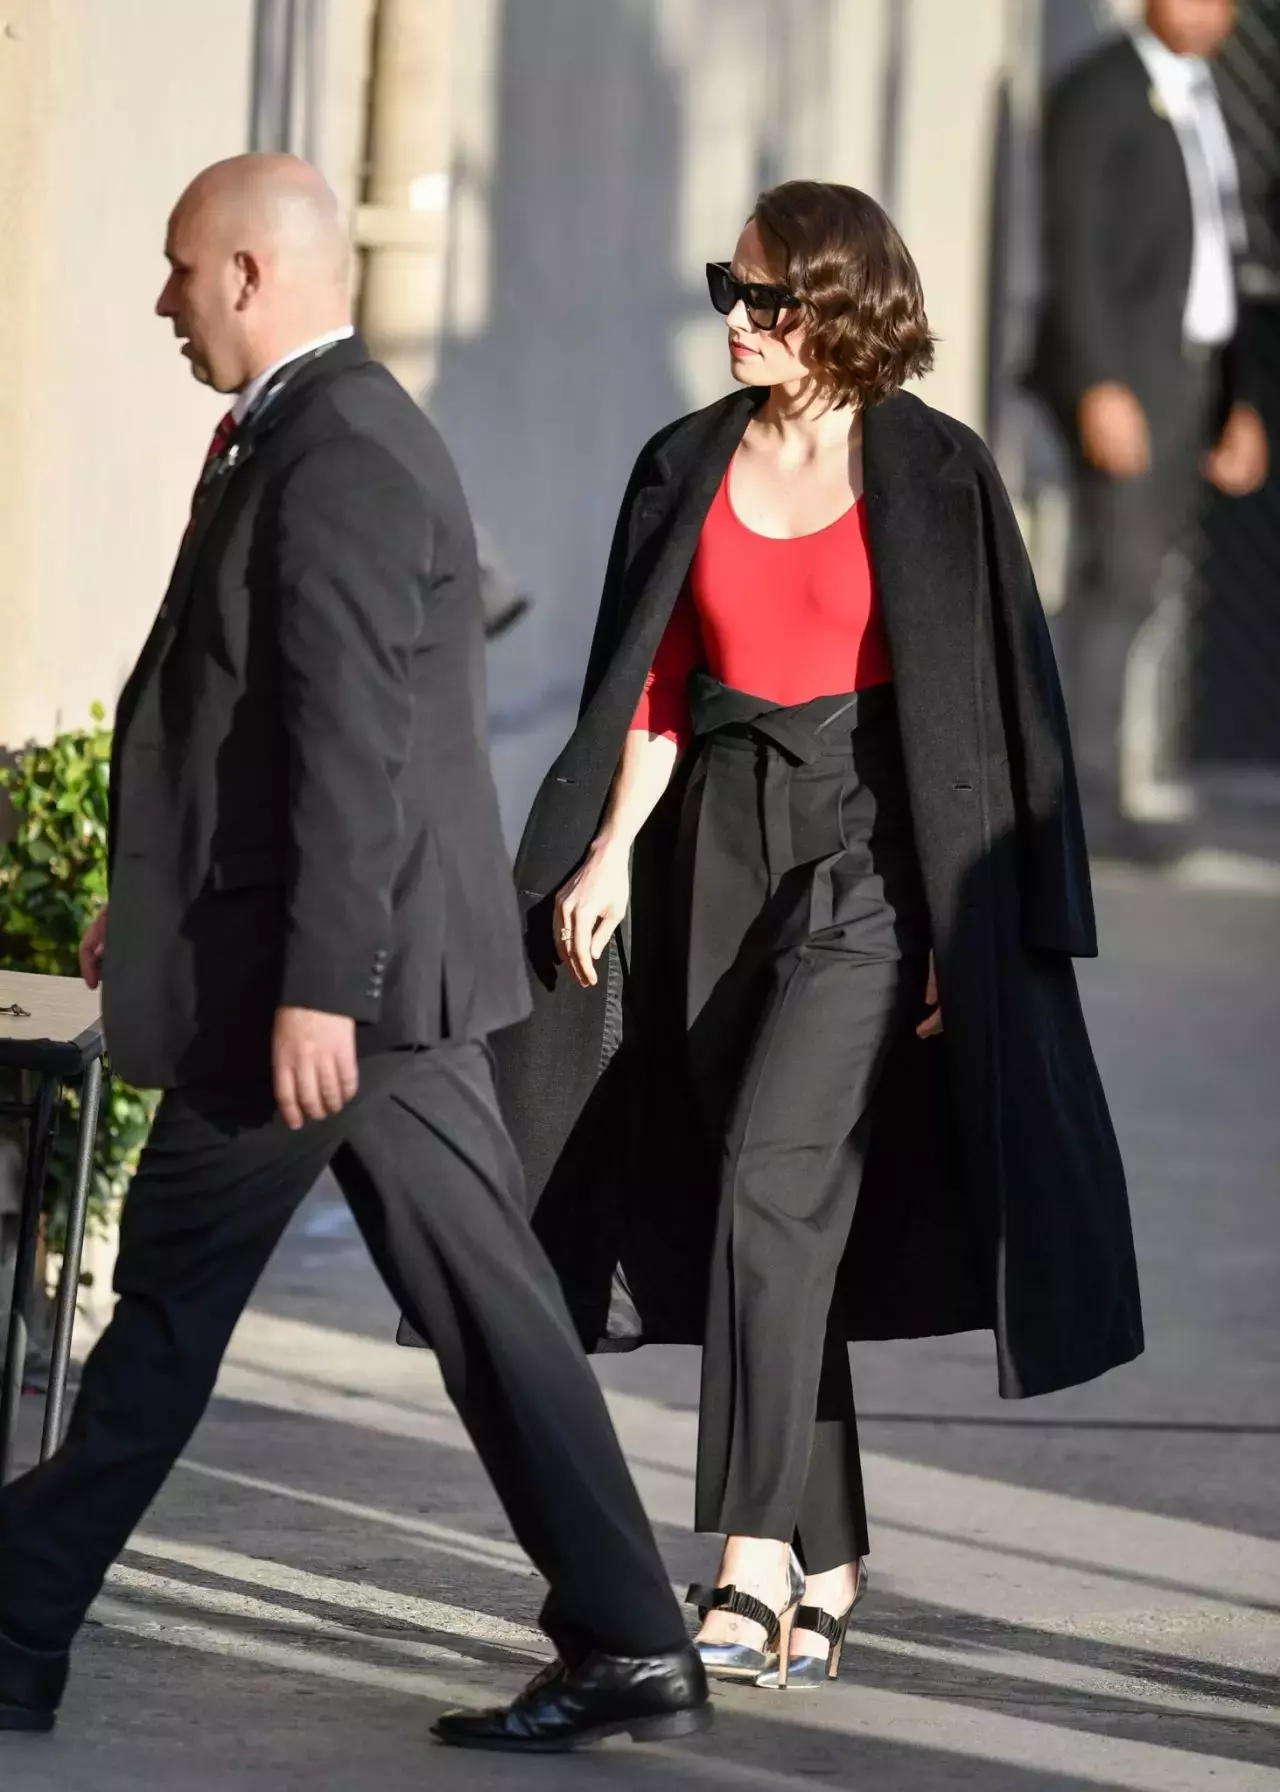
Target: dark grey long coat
994 1195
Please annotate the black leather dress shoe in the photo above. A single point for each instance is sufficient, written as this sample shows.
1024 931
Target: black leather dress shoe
649 1698
31 1683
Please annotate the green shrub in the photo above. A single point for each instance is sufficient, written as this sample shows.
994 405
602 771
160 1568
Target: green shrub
53 880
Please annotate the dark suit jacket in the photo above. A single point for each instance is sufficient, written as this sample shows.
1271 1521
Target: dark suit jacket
1117 237
302 807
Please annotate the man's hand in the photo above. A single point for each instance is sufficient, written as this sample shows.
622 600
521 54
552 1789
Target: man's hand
313 1059
931 1026
92 946
1237 463
1113 430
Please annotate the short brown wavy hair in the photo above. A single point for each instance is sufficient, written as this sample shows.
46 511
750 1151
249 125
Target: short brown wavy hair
841 255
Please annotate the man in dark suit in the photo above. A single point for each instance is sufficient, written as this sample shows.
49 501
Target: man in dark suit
312 930
1139 353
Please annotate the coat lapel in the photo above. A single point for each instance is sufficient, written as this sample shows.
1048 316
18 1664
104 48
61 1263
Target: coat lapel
662 536
922 535
315 371
177 595
917 487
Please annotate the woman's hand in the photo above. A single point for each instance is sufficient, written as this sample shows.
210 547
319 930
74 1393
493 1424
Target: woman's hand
932 1025
590 907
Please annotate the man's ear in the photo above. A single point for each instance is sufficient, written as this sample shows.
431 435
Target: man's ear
250 272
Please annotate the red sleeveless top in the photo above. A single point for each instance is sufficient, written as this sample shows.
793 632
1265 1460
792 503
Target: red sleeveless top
784 620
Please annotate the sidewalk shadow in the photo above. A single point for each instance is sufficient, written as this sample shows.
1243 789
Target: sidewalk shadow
881 1652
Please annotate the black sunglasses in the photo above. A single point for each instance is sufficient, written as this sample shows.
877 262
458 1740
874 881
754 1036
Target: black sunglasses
764 303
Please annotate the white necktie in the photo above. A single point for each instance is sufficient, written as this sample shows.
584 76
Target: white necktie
1212 159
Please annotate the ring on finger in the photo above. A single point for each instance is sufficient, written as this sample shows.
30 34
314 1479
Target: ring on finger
566 933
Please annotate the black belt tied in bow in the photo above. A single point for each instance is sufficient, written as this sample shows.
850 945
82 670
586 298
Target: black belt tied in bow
763 805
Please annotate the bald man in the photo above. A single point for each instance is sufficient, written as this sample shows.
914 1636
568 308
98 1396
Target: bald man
312 929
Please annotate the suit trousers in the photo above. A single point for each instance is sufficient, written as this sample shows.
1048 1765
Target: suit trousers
432 1179
1133 545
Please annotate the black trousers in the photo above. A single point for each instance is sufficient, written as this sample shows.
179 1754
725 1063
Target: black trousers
432 1179
1133 542
778 1439
808 941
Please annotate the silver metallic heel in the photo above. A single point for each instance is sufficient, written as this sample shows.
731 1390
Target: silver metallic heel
816 1670
738 1661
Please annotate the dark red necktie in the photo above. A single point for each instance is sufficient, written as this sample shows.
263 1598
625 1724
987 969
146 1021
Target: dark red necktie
218 446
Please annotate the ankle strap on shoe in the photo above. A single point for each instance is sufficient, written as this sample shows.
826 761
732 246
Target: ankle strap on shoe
731 1599
812 1617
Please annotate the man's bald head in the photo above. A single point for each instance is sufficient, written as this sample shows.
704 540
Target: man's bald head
259 263
278 207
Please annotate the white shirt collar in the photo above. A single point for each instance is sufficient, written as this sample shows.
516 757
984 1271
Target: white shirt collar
1174 77
248 394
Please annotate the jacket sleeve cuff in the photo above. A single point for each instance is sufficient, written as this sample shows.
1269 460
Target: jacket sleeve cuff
315 980
1096 371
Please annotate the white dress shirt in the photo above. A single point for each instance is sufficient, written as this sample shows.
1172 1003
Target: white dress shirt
248 396
1182 89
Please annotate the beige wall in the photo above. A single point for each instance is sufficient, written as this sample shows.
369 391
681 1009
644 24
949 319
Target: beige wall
345 63
25 184
763 90
955 55
134 98
107 108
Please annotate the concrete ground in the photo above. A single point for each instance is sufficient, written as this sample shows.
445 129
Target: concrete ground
1079 1592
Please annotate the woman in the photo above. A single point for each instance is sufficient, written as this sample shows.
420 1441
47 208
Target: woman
821 778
